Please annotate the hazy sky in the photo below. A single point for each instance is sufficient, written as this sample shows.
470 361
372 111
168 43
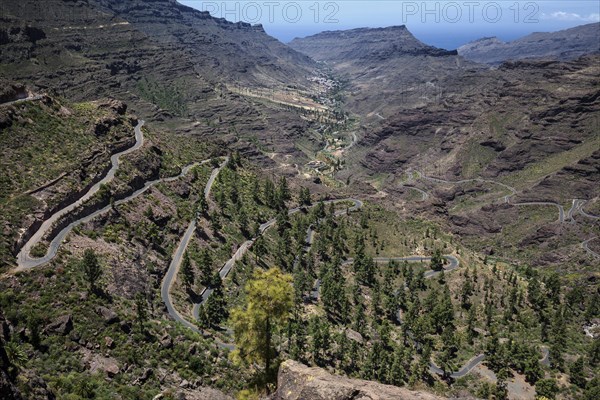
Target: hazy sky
446 24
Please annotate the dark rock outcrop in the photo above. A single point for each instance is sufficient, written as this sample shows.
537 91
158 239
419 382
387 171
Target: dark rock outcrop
62 325
108 315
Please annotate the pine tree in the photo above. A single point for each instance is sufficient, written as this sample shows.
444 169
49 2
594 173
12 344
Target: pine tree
205 265
259 247
359 318
465 294
187 273
202 206
91 269
471 319
255 190
559 340
577 374
283 192
364 266
443 312
546 388
304 197
397 373
203 319
269 193
141 307
283 221
320 338
267 307
216 309
215 223
437 261
332 290
552 286
243 222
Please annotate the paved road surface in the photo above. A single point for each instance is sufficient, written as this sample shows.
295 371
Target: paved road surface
464 370
30 98
24 259
173 270
424 194
506 199
579 204
586 246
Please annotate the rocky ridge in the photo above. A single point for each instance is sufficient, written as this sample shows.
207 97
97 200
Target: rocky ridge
563 45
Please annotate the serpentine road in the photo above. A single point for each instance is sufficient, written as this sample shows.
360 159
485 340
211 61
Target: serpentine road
576 205
173 270
24 259
29 262
506 199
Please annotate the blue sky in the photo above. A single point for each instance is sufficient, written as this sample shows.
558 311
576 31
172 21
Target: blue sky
446 24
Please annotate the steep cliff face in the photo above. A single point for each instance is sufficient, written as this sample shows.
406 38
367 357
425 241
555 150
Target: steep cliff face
297 381
219 49
563 45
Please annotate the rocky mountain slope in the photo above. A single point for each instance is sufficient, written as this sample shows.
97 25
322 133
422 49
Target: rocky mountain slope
517 126
563 45
171 64
385 68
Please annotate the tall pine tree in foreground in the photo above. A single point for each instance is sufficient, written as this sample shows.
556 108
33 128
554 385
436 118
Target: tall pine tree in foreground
267 308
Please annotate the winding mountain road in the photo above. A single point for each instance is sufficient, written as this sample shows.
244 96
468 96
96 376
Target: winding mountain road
463 371
577 205
424 194
24 259
506 198
173 270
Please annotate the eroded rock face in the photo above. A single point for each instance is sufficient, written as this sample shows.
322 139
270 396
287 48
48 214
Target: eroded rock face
62 325
297 381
